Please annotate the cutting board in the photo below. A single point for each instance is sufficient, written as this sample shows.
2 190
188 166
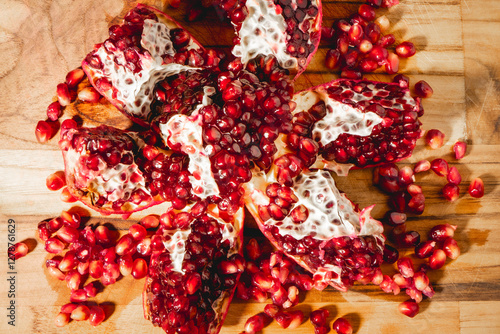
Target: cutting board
457 43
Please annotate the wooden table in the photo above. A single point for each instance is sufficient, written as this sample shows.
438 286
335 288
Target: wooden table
458 47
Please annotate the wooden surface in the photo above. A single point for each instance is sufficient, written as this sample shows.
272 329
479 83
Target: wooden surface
457 42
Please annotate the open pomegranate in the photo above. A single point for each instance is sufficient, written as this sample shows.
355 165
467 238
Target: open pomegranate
195 267
290 30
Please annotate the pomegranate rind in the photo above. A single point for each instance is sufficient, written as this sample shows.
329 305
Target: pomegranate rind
138 107
222 303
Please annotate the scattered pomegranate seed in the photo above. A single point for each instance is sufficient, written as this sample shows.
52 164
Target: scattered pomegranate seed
442 231
255 323
421 280
367 12
89 94
437 259
78 296
425 249
318 317
410 239
45 130
253 249
342 326
74 77
391 254
90 290
332 59
392 64
150 221
422 166
68 234
55 272
66 196
138 232
459 148
62 319
451 249
434 139
451 192
68 262
423 89
63 95
440 167
405 49
54 246
283 319
454 175
56 181
414 189
402 80
54 111
476 188
19 250
140 268
406 176
96 315
271 310
409 308
297 319
405 267
395 218
81 312
383 23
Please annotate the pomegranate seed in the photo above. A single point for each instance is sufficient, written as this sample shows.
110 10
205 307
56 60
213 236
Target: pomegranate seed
429 291
440 167
71 219
332 59
89 94
228 267
45 130
74 77
90 290
271 310
68 234
365 46
401 281
54 245
81 312
258 295
378 277
422 166
406 176
62 319
451 249
395 218
405 267
144 247
402 80
476 188
454 175
414 190
366 12
73 280
368 65
383 23
388 286
405 49
414 294
55 181
96 315
19 250
342 326
350 74
253 249
151 221
66 196
392 64
255 323
318 317
102 235
174 3
96 269
355 34
63 95
138 232
425 249
423 89
297 319
83 268
442 231
451 192
437 259
193 283
140 268
56 273
421 280
126 262
410 239
459 148
43 232
434 139
69 261
78 296
283 319
409 308
54 111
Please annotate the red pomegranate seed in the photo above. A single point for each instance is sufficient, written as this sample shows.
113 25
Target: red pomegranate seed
255 323
414 190
440 167
332 59
388 286
83 268
138 232
425 249
102 235
350 74
108 255
279 296
402 80
342 326
451 248
63 95
476 188
395 218
406 176
421 280
61 320
193 283
459 148
66 196
69 261
409 308
151 221
68 234
96 316
45 130
365 46
81 312
318 317
454 175
442 231
74 77
387 40
253 249
379 54
54 246
392 63
96 269
263 281
422 166
437 259
78 296
258 295
405 267
73 280
401 281
43 232
423 89
271 310
451 192
378 277
414 294
368 65
367 12
55 272
56 181
429 292
383 23
144 247
54 111
405 49
355 34
391 254
410 239
126 263
434 139
297 319
71 219
283 319
89 94
90 290
140 268
174 3
19 250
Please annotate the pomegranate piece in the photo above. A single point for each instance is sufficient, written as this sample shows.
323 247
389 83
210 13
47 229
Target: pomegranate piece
392 63
442 232
405 49
454 175
476 188
351 121
423 89
17 251
54 245
459 148
184 288
139 268
45 130
451 192
80 313
425 249
62 319
434 139
54 111
96 316
409 308
437 259
342 326
440 167
451 248
422 166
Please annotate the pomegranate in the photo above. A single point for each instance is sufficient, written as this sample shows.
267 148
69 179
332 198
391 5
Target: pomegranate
190 282
287 30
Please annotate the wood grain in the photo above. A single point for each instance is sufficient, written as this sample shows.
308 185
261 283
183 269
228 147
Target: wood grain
40 41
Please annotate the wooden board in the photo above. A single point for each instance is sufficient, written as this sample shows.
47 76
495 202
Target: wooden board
457 42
